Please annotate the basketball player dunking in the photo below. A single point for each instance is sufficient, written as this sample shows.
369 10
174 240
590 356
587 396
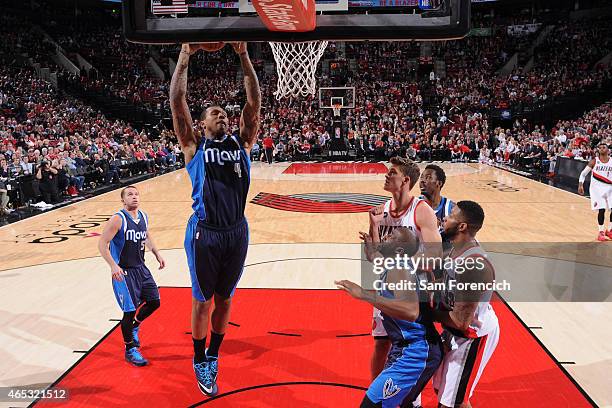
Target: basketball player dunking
600 189
471 328
216 239
122 246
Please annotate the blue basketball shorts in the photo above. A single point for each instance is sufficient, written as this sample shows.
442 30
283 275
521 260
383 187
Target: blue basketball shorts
407 371
137 286
215 257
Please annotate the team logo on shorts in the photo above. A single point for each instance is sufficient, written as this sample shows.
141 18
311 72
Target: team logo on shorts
390 389
336 203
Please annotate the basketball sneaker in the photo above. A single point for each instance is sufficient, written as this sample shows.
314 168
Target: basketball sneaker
602 236
609 234
213 367
134 357
206 383
135 338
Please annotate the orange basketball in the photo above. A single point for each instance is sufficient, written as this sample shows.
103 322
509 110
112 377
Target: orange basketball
213 46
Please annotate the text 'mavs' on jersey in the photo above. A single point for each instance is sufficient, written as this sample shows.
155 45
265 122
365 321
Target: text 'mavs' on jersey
128 245
220 175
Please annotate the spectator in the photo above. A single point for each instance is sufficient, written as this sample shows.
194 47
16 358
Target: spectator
280 151
268 145
4 199
47 174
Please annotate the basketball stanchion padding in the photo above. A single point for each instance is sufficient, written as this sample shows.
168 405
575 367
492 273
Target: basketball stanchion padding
296 66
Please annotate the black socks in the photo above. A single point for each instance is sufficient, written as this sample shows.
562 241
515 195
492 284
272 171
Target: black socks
199 348
215 343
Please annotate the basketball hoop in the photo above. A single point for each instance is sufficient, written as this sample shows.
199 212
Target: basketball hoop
336 108
296 66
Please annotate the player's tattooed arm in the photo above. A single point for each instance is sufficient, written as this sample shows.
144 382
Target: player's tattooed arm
251 113
181 117
466 301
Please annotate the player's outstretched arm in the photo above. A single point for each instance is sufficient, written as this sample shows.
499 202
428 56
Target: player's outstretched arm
181 117
583 176
249 120
110 230
404 306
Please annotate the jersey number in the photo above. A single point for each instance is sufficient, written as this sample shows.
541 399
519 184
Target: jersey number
142 246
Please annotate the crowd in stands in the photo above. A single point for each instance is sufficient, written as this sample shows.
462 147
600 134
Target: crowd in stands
121 67
66 146
52 145
526 147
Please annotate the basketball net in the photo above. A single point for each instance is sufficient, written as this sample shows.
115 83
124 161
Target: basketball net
336 109
296 66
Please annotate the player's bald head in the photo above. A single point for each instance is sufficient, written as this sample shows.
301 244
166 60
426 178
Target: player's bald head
402 241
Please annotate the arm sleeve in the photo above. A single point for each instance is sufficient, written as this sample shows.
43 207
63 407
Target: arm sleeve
584 173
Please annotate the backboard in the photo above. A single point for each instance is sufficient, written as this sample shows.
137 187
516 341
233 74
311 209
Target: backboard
336 20
342 96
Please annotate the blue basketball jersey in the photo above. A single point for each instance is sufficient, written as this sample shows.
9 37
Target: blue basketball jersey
443 210
220 175
403 330
128 245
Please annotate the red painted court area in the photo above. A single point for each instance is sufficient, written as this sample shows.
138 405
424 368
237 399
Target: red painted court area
292 348
336 168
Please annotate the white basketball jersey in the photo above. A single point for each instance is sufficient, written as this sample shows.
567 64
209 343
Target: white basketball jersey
602 173
406 219
485 319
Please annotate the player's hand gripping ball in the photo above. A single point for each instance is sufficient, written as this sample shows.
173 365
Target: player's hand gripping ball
191 49
212 47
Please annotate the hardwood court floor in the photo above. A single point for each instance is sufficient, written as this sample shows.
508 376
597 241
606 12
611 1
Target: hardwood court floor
57 298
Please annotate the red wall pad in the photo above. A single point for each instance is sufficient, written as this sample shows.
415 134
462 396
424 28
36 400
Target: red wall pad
287 15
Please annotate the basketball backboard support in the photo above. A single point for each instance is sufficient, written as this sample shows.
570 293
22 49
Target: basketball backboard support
331 97
400 20
337 98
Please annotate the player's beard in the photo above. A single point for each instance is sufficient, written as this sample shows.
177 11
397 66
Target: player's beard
450 233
